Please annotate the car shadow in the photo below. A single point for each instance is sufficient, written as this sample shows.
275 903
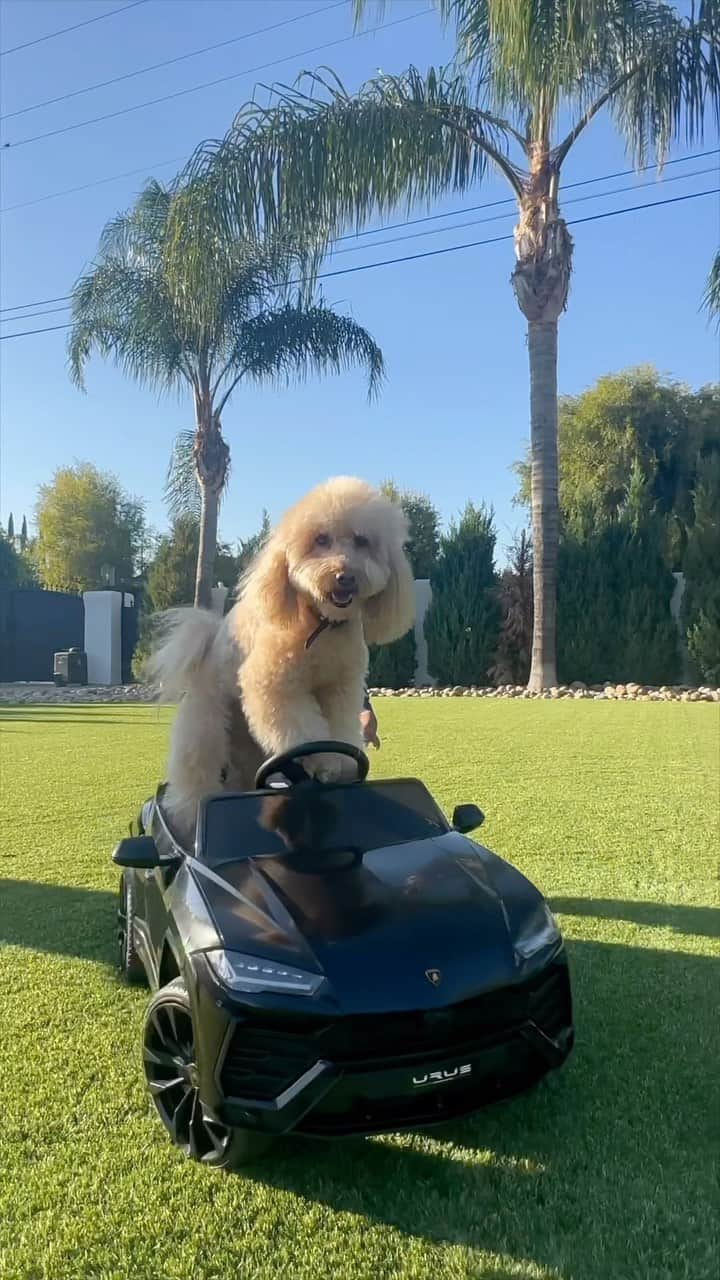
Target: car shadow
59 918
701 922
544 1177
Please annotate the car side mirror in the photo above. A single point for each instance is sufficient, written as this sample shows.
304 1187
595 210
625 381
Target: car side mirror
467 817
139 852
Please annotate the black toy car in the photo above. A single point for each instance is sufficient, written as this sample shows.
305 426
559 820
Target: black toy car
333 959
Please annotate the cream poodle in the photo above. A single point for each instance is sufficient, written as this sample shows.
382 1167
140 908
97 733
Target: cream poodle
288 662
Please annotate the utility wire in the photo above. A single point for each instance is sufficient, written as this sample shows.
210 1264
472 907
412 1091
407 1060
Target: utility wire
435 253
498 217
209 84
492 204
416 235
169 62
409 222
52 35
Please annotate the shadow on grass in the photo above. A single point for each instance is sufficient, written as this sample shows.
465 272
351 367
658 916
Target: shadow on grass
59 918
67 714
594 1173
606 1169
701 922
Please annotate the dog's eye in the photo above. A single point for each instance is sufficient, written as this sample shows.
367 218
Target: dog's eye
361 541
322 540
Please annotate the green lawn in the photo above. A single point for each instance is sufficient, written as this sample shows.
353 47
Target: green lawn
603 1173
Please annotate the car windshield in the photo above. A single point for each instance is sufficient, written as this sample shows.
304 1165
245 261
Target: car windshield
313 819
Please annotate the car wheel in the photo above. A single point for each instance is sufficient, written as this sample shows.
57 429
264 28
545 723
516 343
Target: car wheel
172 1078
130 964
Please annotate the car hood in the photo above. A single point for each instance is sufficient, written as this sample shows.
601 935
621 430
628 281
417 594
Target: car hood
414 925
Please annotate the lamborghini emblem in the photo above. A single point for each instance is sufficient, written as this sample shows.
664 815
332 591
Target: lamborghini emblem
434 976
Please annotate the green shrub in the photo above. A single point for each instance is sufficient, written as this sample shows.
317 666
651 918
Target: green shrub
701 601
392 666
614 592
463 621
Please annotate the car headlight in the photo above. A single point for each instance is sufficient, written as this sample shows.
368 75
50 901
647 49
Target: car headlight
538 931
251 973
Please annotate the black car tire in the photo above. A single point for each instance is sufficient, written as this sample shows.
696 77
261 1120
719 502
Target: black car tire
170 1070
130 964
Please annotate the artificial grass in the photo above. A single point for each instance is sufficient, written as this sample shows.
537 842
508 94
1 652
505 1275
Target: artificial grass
605 1172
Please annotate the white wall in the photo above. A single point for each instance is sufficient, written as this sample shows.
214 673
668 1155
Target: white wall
103 636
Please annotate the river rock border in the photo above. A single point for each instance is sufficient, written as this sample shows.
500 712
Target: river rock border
19 694
577 690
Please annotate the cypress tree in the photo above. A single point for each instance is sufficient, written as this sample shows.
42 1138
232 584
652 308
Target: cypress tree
463 621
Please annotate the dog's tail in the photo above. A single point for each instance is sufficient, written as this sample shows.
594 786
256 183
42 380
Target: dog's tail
184 638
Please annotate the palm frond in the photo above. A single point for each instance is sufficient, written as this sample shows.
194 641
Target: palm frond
295 341
711 296
124 312
321 158
182 492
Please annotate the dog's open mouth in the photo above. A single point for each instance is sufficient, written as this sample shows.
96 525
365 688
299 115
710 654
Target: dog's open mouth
342 599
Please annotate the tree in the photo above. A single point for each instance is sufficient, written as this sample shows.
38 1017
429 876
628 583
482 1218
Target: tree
701 599
249 324
24 535
86 524
11 529
9 562
324 156
634 418
512 659
461 624
423 519
248 548
614 596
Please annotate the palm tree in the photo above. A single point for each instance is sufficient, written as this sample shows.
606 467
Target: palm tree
522 70
250 324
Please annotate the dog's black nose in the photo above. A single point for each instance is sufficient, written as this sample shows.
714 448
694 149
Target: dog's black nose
346 581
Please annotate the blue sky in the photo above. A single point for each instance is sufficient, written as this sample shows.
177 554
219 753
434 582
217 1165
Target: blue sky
453 415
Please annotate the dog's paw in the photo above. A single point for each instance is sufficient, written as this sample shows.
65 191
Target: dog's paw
330 768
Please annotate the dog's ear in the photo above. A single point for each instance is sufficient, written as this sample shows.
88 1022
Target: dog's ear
267 589
388 615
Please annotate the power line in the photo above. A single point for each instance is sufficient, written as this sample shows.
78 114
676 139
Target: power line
209 84
169 62
566 186
99 182
435 253
409 222
416 235
474 244
497 217
88 22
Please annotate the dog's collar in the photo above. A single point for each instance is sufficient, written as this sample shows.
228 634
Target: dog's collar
323 625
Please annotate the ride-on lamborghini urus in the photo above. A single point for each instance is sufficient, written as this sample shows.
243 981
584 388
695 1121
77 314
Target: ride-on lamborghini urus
333 959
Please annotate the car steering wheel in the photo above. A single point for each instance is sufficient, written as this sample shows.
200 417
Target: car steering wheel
288 764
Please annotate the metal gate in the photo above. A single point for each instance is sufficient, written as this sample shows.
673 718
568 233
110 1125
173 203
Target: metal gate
33 626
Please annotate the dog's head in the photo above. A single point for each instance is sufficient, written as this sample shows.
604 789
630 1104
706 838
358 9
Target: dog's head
341 550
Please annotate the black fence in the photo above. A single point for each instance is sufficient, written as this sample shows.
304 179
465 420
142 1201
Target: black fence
33 626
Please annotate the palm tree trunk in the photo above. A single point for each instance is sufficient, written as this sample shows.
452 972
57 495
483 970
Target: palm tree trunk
542 349
211 463
210 505
541 281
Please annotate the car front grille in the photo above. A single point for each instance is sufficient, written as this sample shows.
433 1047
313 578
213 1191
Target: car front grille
263 1060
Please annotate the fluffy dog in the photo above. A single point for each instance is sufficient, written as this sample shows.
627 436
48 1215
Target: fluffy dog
287 664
